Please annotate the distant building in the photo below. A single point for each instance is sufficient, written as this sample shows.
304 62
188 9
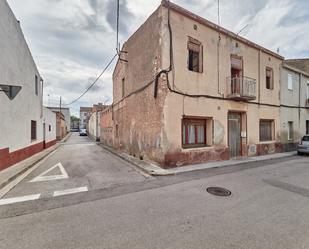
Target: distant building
61 129
94 121
84 115
66 113
294 112
24 125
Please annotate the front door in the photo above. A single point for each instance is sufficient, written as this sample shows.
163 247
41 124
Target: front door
234 130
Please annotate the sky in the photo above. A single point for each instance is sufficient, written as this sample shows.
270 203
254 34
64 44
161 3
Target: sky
72 41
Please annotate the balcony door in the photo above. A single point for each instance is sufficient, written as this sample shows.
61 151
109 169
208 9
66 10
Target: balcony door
236 74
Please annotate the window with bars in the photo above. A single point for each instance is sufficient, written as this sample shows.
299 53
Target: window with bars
49 128
33 130
266 130
269 78
193 132
195 54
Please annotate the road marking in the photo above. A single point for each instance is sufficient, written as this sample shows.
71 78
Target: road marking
19 199
12 184
70 191
42 177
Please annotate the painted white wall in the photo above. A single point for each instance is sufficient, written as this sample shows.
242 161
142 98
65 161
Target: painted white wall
67 115
49 118
94 129
17 67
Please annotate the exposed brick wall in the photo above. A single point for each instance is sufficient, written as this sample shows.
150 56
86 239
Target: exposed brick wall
107 128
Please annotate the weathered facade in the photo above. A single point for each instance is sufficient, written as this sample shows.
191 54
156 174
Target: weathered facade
198 93
294 106
61 129
22 118
84 115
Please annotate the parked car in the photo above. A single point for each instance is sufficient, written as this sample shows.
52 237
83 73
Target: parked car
303 147
82 132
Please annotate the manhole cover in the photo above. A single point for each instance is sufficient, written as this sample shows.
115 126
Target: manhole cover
219 191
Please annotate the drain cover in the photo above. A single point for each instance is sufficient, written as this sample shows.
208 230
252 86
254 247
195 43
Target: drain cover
219 191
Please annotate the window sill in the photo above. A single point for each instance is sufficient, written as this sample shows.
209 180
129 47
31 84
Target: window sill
186 148
268 142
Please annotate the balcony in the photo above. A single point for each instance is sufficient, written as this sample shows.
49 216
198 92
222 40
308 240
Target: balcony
241 88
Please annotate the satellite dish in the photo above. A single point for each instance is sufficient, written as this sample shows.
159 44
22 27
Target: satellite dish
10 91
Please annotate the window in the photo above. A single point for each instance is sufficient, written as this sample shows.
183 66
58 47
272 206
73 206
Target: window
266 130
36 85
308 89
290 130
269 78
122 87
195 51
290 82
33 130
307 127
116 135
193 133
49 128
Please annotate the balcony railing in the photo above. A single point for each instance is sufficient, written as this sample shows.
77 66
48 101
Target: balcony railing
241 88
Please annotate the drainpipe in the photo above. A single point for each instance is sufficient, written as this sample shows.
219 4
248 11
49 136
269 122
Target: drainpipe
259 78
299 101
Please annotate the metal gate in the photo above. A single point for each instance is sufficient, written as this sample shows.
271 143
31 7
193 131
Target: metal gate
234 130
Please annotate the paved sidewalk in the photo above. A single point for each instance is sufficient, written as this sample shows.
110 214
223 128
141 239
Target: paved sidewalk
12 174
154 170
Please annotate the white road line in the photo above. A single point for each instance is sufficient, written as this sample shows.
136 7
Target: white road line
42 177
12 184
19 199
70 191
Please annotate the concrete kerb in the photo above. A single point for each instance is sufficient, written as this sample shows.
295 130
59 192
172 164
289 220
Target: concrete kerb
155 170
147 168
23 170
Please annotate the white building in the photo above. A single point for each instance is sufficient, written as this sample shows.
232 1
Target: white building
84 115
22 121
67 115
94 125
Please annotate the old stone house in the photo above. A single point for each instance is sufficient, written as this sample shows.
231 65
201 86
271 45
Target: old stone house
198 93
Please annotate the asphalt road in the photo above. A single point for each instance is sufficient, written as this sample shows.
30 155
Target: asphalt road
268 208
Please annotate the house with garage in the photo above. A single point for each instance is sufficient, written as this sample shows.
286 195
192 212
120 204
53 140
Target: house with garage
24 122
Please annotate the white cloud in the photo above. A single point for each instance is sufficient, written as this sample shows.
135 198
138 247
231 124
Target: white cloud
73 40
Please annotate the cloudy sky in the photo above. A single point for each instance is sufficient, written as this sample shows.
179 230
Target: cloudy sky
72 41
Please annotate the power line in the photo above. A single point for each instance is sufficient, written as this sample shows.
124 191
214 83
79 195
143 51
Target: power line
117 40
96 80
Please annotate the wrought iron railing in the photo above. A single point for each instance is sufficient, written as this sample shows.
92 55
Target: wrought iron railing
243 87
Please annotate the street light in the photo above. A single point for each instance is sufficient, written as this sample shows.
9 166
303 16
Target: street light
10 91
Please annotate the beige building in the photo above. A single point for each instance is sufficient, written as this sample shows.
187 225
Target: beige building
294 104
197 93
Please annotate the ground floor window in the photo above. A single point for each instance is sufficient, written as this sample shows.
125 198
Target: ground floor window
33 130
194 132
290 130
307 127
266 130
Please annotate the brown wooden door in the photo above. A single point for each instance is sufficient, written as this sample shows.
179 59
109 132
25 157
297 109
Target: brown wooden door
234 134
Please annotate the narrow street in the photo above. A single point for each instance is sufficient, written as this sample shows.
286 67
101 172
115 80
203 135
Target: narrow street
121 208
85 166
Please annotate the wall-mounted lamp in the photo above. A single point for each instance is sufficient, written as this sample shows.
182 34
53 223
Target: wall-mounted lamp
10 91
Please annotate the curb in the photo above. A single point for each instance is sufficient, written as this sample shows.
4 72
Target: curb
127 159
24 170
165 172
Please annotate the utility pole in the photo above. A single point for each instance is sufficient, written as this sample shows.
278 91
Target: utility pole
60 105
